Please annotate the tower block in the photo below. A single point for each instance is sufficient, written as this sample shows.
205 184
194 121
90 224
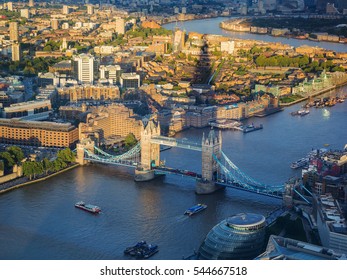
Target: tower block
150 153
211 146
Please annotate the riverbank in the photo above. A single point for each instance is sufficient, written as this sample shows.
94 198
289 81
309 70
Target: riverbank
18 183
314 94
268 26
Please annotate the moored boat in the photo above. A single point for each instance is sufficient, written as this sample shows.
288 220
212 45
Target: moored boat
299 163
195 209
252 127
88 207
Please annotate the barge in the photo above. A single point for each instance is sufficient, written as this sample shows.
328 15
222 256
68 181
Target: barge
88 207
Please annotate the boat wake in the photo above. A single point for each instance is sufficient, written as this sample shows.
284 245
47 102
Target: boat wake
181 218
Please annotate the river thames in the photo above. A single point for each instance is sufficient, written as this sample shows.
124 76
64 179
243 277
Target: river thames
40 221
211 26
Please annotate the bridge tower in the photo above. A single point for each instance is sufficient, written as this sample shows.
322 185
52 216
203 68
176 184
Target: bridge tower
211 145
86 143
150 152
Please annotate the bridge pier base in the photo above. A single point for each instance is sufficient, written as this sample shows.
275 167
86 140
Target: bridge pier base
206 187
143 175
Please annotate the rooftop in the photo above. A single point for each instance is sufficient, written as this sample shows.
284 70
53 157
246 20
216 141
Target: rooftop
280 248
246 220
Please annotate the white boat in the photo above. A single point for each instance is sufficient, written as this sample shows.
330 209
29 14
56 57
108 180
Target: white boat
299 163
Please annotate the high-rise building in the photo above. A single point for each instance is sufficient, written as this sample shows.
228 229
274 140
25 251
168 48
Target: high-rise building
14 31
120 26
66 9
31 3
110 72
83 68
179 40
55 24
9 6
130 80
16 52
24 13
64 44
90 9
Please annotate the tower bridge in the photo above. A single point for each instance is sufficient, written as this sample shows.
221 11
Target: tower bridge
217 170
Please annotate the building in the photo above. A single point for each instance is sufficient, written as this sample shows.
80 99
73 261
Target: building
150 24
31 3
25 13
55 24
110 72
240 237
9 6
105 50
16 52
39 108
120 26
179 40
66 10
90 9
65 26
228 47
130 80
88 92
331 9
331 224
108 121
14 35
281 248
39 134
62 67
83 68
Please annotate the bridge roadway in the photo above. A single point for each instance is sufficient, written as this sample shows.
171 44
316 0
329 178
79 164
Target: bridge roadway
173 142
168 170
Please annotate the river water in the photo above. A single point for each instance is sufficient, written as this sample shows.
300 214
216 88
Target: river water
211 26
40 221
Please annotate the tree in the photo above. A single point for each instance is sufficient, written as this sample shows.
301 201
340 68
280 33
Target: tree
260 60
37 168
47 165
66 155
28 169
130 140
16 153
47 48
8 160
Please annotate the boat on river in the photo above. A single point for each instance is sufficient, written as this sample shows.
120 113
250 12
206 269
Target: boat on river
142 250
195 209
252 127
88 207
299 163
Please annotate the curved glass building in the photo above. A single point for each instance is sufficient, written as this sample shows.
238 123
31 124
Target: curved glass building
239 237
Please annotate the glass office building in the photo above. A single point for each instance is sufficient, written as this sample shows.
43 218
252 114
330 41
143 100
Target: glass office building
239 237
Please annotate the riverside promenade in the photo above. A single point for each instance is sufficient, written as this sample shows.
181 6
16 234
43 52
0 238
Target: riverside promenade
24 181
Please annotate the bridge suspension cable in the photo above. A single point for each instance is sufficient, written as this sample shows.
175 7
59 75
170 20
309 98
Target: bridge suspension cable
235 175
129 154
